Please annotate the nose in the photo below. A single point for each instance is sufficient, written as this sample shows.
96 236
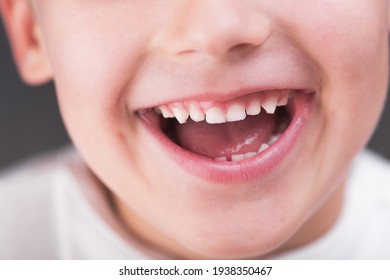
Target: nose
212 27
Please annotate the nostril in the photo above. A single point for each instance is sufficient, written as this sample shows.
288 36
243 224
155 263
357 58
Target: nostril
243 49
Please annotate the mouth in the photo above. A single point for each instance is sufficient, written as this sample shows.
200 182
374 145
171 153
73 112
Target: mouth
234 140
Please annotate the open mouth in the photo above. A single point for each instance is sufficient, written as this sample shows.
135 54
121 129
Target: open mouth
234 131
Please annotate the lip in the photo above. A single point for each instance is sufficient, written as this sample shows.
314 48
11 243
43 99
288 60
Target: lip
280 67
242 171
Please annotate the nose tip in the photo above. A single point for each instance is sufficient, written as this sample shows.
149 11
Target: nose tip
212 27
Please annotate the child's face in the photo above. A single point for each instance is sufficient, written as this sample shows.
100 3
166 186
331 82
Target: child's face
111 59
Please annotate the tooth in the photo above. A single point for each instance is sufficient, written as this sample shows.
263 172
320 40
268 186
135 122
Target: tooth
283 101
157 110
263 148
196 114
249 155
253 108
180 114
235 113
221 158
269 104
215 115
166 113
274 139
238 157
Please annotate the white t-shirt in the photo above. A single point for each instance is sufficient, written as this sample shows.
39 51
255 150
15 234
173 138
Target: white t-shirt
50 208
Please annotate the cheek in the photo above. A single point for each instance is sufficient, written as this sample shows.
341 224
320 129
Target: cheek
95 56
94 69
355 80
349 41
94 61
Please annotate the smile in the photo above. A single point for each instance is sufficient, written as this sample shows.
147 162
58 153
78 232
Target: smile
231 141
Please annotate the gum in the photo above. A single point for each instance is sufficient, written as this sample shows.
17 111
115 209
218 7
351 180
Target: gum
223 105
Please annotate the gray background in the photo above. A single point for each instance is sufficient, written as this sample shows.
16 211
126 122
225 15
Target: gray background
30 122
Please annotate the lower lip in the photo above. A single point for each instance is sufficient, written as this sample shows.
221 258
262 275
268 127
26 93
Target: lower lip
242 171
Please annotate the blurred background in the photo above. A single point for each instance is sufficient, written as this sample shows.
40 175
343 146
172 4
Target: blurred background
30 122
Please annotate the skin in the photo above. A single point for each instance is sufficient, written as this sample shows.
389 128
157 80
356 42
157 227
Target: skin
110 58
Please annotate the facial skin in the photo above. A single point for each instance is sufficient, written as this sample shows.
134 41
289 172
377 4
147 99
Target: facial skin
111 58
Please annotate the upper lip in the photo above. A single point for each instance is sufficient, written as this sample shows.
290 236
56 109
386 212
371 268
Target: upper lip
220 96
279 69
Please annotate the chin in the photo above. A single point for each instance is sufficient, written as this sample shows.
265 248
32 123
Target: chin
234 240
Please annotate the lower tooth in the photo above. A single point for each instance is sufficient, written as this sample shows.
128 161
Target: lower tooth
221 158
249 155
263 148
238 157
274 139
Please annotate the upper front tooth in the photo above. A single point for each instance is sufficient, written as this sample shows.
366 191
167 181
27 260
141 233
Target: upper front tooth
180 114
235 112
215 115
269 104
196 114
253 108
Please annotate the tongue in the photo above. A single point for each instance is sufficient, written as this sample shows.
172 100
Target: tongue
226 139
